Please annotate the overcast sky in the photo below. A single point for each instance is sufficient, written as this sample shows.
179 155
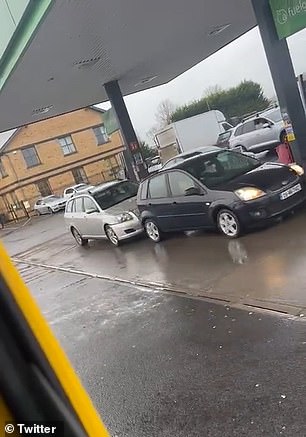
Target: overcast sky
242 59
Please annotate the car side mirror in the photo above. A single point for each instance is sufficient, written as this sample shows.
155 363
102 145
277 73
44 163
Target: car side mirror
193 191
266 125
91 211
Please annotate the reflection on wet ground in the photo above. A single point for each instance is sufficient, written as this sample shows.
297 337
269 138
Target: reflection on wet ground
267 265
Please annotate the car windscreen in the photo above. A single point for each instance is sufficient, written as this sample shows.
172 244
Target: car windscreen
217 168
115 194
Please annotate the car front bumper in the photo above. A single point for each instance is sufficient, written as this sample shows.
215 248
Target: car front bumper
270 206
128 229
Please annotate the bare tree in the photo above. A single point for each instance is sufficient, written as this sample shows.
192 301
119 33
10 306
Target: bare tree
151 132
164 112
162 116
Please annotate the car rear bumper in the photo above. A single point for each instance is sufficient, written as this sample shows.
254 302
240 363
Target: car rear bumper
270 206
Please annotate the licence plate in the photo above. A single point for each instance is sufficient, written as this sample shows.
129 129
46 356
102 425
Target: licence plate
290 192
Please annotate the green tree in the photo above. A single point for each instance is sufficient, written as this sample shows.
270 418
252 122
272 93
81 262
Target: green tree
234 102
147 151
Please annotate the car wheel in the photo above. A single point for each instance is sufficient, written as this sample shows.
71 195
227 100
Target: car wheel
112 236
50 210
78 238
228 223
153 231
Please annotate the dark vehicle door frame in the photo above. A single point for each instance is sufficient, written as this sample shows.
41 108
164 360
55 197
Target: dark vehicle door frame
157 208
189 212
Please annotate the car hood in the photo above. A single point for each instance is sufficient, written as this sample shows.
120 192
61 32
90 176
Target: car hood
268 177
126 205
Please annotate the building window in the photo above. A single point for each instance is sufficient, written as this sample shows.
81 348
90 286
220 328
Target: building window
30 156
101 135
79 175
3 172
44 188
67 145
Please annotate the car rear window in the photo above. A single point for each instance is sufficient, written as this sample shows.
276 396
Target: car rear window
108 197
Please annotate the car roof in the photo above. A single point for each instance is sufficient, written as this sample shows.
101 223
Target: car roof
264 113
193 153
199 156
98 188
270 111
104 186
199 150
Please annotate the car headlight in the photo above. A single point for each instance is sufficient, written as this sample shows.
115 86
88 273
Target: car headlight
297 169
125 217
249 193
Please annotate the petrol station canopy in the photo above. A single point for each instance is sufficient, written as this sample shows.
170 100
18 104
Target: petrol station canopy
56 55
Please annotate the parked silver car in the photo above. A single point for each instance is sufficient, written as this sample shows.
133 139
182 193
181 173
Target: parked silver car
49 204
259 133
107 211
75 189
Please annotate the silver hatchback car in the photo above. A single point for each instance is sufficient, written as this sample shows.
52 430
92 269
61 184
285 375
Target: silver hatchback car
106 211
259 133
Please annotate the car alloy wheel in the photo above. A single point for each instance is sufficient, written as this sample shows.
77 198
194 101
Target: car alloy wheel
228 223
78 238
152 231
112 236
50 210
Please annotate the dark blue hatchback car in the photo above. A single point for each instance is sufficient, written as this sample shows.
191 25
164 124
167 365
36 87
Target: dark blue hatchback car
220 189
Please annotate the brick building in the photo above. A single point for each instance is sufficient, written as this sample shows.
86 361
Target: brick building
45 157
